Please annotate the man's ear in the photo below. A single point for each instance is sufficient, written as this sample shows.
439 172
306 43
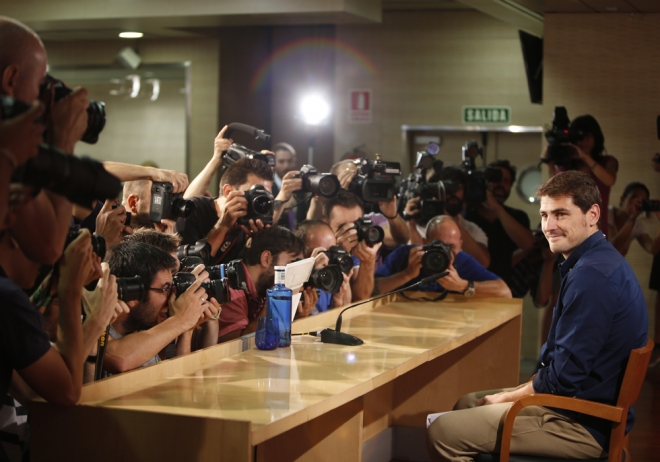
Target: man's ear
226 189
132 202
593 215
8 82
266 259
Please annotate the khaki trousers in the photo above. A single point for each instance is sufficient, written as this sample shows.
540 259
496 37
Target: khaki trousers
468 430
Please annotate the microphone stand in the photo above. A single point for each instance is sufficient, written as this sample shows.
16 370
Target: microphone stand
338 337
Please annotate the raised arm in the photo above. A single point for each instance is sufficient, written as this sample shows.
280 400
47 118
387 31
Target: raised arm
200 184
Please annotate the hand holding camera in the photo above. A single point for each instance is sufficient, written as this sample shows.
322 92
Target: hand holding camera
189 306
365 252
259 209
343 297
111 222
221 144
179 181
102 305
414 262
291 183
75 264
68 119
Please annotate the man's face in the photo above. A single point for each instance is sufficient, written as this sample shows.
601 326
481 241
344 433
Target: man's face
502 188
454 201
253 179
564 224
266 279
319 236
145 315
448 233
341 215
633 201
285 161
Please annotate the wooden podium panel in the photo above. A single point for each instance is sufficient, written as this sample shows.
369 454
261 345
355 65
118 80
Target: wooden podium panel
311 401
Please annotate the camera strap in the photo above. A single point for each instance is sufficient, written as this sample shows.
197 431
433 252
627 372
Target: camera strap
227 246
98 369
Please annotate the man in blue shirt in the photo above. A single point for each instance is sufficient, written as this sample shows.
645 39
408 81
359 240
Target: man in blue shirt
599 318
467 276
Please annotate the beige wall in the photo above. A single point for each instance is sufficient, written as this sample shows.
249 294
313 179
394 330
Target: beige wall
608 65
204 58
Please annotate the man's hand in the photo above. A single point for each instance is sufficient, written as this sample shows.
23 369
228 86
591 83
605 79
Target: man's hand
346 236
190 305
102 301
165 226
346 176
289 186
453 281
110 223
389 209
412 207
491 202
76 263
253 227
179 180
221 144
365 253
21 135
343 297
235 206
321 260
68 119
414 262
307 302
507 396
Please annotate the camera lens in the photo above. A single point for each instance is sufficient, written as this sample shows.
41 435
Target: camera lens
218 289
436 258
329 279
182 208
325 185
374 235
214 272
98 245
262 205
130 289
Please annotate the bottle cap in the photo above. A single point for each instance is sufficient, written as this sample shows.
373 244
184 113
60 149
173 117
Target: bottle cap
280 268
280 274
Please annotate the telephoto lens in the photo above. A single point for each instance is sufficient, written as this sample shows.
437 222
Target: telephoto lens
338 256
201 249
319 184
329 279
130 289
218 289
369 232
98 242
437 256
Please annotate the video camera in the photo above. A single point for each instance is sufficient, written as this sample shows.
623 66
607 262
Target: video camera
436 258
260 206
558 137
218 289
374 181
237 152
200 249
368 232
319 184
167 205
477 178
80 180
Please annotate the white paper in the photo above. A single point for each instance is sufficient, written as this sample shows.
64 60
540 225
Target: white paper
294 304
431 417
297 273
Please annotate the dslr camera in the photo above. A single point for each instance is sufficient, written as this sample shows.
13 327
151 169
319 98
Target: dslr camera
338 256
200 249
374 181
218 289
236 275
368 232
167 205
130 289
558 137
98 242
329 279
477 178
436 258
260 206
190 263
319 184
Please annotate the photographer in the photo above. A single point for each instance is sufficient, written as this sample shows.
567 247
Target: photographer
507 228
466 275
623 223
136 337
589 158
216 219
270 247
318 238
341 213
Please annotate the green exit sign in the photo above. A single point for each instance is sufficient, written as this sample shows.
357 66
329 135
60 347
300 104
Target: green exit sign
486 115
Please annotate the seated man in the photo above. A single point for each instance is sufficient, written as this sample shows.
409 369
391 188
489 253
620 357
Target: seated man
318 237
466 275
599 318
137 337
271 247
340 213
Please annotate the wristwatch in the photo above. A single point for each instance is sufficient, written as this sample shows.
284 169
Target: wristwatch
469 292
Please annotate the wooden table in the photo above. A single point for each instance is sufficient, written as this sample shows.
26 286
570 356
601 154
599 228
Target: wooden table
312 401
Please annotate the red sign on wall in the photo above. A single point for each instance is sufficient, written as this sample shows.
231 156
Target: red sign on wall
360 106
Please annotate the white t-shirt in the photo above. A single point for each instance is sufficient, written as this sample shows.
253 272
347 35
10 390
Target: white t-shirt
472 229
638 228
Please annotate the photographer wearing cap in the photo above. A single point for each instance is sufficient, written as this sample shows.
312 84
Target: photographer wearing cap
466 275
270 247
216 219
340 214
136 338
507 228
318 238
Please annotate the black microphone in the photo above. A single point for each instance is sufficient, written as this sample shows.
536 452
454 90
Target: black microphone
249 129
337 337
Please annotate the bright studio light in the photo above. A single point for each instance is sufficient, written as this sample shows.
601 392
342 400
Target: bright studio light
131 35
314 110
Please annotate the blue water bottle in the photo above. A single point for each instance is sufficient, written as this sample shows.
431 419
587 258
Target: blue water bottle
278 299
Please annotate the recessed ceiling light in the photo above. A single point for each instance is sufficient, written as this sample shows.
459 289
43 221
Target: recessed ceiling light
132 35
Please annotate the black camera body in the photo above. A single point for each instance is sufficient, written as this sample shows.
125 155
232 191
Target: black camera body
338 256
436 258
368 232
260 206
329 279
218 289
95 110
200 249
237 152
190 263
652 205
558 137
477 185
167 205
236 275
374 181
130 289
320 184
98 242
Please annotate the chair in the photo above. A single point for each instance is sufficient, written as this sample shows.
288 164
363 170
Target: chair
618 450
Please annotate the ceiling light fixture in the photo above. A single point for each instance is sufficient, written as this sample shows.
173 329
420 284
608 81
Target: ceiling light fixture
131 35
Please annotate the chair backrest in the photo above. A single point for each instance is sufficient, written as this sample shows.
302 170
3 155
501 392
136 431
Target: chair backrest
633 378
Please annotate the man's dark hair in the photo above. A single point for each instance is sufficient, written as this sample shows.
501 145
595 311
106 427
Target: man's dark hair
305 226
283 147
344 199
276 240
635 185
164 241
128 259
507 165
237 173
454 174
574 184
589 124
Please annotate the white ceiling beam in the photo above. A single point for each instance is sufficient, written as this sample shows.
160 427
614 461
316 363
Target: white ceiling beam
510 12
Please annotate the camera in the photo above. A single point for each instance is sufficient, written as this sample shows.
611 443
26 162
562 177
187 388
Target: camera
201 249
218 289
426 159
95 110
236 275
190 263
130 289
165 204
98 242
320 184
650 205
436 258
477 179
237 152
329 279
260 206
368 232
432 198
338 256
374 181
558 137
